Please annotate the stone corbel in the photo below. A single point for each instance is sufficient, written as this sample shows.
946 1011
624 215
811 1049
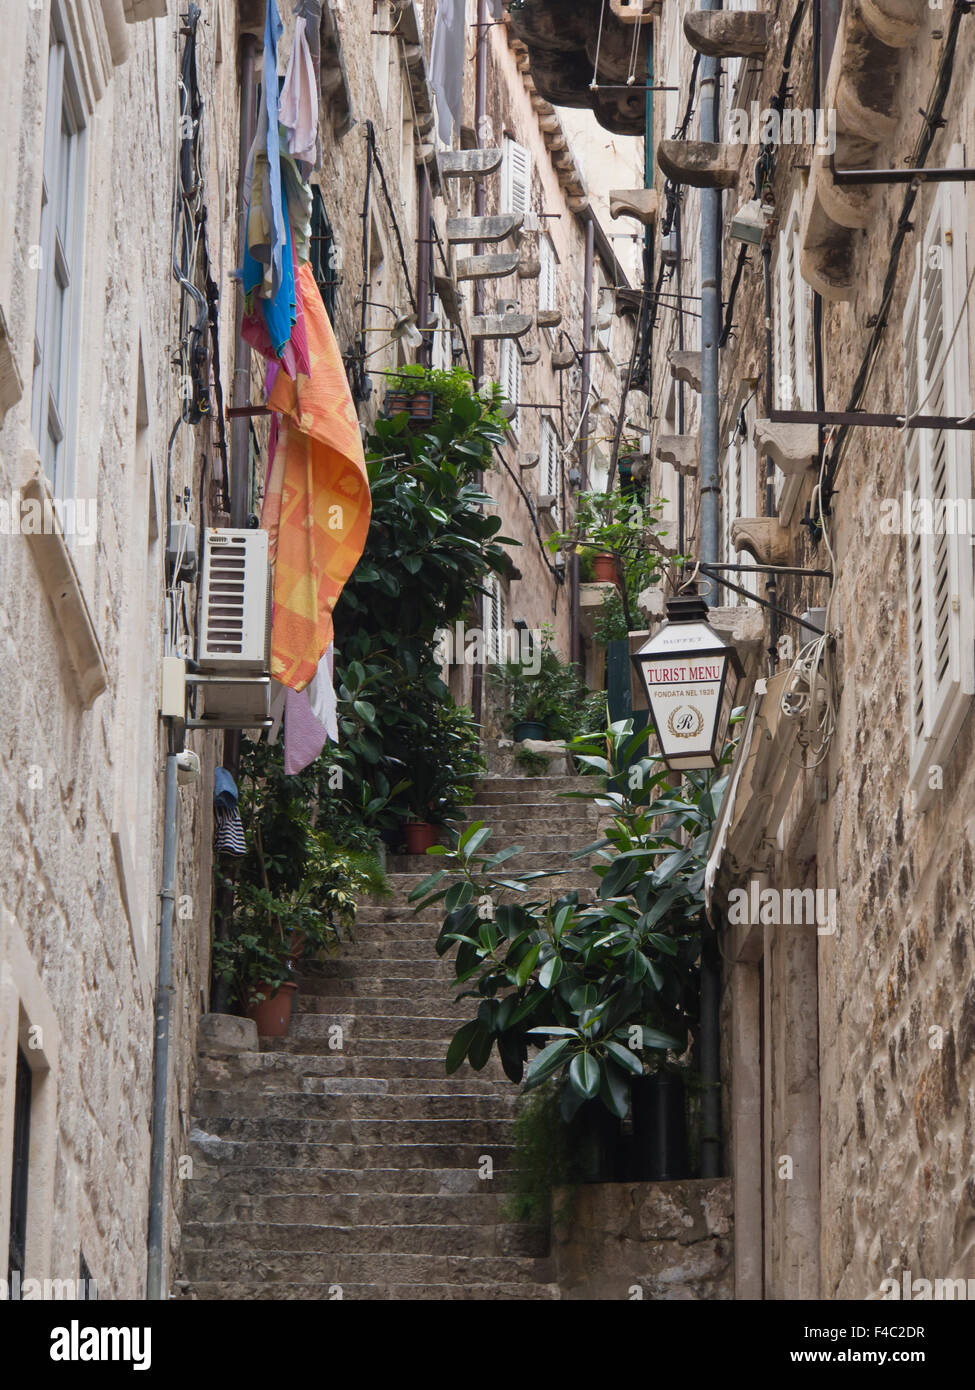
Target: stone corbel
686 367
528 461
63 587
117 18
11 385
138 10
680 450
531 355
699 163
895 22
727 33
549 318
529 268
562 360
497 326
792 448
488 267
463 230
470 164
635 11
446 292
762 537
640 203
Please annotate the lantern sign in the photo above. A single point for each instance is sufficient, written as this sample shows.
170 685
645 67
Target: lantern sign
690 675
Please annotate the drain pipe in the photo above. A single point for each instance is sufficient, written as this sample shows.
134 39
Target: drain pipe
709 1042
480 203
250 49
575 650
160 1061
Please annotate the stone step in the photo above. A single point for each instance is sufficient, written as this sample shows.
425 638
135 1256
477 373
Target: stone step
434 998
541 787
231 1181
458 1105
308 1154
424 982
289 1266
252 1238
351 1208
390 1133
297 1073
381 1027
351 1292
375 1061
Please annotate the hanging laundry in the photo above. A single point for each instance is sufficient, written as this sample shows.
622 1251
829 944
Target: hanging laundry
317 505
228 828
310 717
298 103
254 330
447 65
311 12
273 29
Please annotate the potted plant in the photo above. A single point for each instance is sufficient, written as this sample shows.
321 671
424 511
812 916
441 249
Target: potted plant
605 568
441 760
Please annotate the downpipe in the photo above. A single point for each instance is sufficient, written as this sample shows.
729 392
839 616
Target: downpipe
160 1061
709 1049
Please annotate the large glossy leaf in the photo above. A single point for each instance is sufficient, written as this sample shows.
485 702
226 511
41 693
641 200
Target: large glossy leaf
584 1075
547 1062
459 1045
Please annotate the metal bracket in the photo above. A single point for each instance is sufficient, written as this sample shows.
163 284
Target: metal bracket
878 421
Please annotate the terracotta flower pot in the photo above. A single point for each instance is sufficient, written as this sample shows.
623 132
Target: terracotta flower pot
605 569
419 835
272 1014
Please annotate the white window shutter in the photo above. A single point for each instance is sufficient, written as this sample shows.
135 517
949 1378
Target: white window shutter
547 280
516 178
938 475
510 374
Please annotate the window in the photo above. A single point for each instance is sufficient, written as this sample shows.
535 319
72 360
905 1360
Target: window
324 253
793 386
17 1251
495 621
441 339
938 479
510 377
59 268
548 277
549 468
516 178
738 498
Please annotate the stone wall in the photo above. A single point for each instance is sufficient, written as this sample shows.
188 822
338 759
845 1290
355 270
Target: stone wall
666 1241
884 1184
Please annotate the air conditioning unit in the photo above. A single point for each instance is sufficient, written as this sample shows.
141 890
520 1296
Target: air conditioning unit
235 609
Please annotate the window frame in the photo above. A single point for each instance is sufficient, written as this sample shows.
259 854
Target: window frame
57 325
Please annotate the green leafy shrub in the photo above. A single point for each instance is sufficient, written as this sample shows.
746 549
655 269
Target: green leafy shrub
607 988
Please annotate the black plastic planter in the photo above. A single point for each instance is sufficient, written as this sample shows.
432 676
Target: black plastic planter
659 1143
595 1140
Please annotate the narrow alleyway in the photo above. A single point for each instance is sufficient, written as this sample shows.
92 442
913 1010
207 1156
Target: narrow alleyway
319 1170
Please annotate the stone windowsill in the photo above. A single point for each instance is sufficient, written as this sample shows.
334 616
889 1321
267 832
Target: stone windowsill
63 587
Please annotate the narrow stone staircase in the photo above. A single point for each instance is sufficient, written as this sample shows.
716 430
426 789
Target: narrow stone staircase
342 1161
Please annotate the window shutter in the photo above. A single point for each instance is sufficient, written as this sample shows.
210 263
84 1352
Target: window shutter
495 621
516 178
938 475
550 479
510 374
547 280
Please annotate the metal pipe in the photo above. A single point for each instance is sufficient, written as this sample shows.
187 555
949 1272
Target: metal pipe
240 429
576 632
709 1050
710 482
480 195
424 257
160 1061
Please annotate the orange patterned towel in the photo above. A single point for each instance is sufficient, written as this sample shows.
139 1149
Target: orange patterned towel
317 505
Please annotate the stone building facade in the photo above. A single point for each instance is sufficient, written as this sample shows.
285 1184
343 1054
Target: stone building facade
105 432
848 1119
848 1062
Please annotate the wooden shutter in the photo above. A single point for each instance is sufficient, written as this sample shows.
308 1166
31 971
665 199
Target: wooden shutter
516 177
495 621
794 385
938 473
547 280
550 473
510 374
